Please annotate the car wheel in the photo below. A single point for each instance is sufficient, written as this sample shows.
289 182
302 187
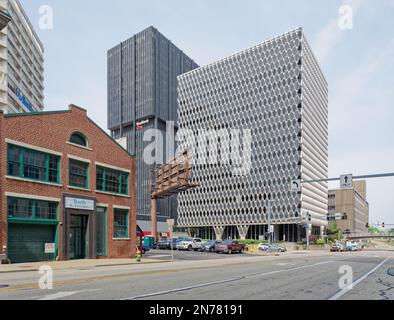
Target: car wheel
230 251
143 251
211 250
190 248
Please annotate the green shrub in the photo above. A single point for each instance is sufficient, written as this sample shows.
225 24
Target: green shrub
320 242
249 242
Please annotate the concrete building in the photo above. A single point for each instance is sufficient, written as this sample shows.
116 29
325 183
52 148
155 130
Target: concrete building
349 208
278 91
21 63
142 95
67 189
4 18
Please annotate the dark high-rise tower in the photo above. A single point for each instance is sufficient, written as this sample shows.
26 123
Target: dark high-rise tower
142 94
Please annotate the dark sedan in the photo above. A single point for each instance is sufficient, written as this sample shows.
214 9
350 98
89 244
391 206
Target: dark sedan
229 246
166 244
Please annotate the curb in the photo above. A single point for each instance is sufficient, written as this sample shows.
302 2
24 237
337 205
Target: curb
78 267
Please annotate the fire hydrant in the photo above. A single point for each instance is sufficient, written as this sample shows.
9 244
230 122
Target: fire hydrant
138 255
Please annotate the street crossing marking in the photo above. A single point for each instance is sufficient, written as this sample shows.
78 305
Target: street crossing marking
345 290
60 295
224 281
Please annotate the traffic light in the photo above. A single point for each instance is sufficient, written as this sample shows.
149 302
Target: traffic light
309 217
383 225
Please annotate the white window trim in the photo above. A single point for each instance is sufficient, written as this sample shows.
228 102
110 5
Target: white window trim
29 146
34 181
102 205
79 146
30 196
121 207
78 188
113 194
72 157
100 164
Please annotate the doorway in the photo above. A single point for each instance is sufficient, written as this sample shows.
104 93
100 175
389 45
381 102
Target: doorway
78 237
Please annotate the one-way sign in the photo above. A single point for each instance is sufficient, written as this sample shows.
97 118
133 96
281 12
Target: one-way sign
295 186
346 181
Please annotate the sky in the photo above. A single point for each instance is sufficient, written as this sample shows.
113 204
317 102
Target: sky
357 62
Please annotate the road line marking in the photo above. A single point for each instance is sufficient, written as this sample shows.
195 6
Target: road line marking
359 280
60 295
223 281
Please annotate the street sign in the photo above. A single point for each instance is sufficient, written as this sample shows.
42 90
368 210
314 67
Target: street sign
271 229
338 216
346 181
295 186
50 248
170 223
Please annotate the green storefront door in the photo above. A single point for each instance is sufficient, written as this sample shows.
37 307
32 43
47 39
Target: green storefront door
26 242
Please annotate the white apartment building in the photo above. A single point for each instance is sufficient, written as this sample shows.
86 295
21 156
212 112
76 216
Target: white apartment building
21 63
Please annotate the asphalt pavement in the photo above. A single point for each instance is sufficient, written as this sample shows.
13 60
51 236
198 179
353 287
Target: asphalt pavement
294 276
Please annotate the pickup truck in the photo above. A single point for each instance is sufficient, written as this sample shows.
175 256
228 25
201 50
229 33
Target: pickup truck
189 244
229 246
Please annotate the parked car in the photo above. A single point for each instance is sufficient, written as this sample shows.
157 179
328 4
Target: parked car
263 246
337 247
160 244
166 244
352 246
145 248
229 246
275 248
190 244
209 246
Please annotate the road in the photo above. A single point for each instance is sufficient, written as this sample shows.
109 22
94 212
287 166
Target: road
311 276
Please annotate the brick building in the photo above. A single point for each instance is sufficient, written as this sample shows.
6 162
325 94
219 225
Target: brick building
67 189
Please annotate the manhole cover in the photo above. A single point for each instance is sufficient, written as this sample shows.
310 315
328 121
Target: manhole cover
4 286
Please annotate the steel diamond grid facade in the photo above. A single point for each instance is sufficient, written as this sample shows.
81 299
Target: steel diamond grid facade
277 90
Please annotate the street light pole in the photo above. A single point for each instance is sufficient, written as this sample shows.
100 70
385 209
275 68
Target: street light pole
269 220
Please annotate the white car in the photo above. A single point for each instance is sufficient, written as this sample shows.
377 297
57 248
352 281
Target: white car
190 244
352 246
263 246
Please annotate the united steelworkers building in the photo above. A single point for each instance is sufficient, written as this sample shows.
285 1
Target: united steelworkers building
277 91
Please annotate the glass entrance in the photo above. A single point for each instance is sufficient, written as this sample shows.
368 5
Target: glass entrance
78 228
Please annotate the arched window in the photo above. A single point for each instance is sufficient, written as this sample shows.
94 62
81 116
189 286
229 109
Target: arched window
79 138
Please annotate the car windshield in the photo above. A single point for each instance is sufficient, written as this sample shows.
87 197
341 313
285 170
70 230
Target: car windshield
228 242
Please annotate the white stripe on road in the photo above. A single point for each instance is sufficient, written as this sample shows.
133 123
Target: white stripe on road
60 295
345 290
224 281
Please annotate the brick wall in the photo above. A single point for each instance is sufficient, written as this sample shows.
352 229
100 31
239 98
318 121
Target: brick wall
51 131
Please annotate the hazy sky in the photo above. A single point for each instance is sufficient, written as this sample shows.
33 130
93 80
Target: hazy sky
358 63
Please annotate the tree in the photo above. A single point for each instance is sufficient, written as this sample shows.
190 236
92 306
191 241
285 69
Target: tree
332 230
373 230
333 233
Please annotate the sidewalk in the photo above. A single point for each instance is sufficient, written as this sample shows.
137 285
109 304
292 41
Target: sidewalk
73 264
